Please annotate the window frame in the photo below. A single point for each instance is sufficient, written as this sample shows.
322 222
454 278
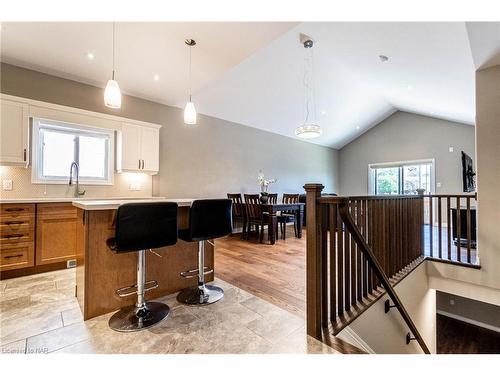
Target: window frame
398 164
39 123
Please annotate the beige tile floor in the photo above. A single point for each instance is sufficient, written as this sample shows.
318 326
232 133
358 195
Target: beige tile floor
39 314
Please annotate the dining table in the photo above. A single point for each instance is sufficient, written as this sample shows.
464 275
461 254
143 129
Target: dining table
272 210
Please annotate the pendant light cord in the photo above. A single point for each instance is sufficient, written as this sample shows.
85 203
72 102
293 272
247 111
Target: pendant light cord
113 51
190 49
308 81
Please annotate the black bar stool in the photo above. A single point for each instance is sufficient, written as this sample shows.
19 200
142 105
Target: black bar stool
141 227
208 219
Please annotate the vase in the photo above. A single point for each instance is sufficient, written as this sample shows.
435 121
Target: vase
264 198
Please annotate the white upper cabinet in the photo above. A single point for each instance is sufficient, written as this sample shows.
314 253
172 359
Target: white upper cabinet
14 133
138 149
150 149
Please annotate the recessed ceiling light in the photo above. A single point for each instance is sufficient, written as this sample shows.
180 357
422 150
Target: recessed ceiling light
90 56
383 58
409 87
156 77
323 112
357 128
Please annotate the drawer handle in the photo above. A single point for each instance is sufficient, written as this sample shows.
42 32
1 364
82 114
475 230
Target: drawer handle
14 222
15 209
13 256
13 236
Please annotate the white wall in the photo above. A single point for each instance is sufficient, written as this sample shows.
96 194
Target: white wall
386 333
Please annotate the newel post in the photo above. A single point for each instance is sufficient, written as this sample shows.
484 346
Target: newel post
313 260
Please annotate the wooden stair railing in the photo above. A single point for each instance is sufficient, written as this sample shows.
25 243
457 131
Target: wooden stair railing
353 244
450 229
372 260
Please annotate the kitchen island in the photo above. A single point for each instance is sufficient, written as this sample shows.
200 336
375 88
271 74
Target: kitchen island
100 271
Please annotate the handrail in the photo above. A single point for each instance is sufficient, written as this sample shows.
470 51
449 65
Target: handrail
367 251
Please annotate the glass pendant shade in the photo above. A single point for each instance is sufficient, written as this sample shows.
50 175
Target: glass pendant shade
190 114
112 95
308 131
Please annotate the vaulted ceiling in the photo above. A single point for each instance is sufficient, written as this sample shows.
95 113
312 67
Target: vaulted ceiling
252 73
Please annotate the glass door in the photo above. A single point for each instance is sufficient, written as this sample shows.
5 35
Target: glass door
404 178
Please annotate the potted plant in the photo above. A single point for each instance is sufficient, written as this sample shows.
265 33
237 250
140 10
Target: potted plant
264 197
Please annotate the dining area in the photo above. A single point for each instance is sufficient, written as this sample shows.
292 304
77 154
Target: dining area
257 213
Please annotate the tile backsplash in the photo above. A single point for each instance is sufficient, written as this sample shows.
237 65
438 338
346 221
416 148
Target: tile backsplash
23 188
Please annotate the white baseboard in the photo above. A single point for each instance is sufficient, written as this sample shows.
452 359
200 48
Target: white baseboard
351 337
470 321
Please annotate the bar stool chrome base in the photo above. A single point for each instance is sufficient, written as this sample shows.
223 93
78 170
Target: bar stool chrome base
132 318
200 295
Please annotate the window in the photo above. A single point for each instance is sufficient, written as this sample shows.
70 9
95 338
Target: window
57 145
401 178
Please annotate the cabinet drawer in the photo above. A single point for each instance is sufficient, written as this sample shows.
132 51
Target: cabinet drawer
15 224
15 210
62 210
16 236
17 256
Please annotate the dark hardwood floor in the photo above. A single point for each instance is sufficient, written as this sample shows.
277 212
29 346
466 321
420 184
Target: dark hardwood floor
457 337
275 273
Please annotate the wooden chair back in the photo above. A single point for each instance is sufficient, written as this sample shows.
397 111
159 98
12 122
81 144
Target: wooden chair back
237 204
273 198
252 205
290 198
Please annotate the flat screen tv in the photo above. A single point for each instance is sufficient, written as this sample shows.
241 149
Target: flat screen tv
468 173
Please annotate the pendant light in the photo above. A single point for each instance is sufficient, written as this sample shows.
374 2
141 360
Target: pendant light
112 94
190 110
309 129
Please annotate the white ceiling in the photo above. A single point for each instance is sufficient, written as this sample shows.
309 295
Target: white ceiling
251 73
484 40
430 71
143 50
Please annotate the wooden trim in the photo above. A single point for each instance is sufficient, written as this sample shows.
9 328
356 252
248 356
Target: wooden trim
4 275
461 264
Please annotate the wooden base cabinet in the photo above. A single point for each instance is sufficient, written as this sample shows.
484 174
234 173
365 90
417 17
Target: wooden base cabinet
56 227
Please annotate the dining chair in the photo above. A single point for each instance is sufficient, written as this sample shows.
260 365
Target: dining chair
273 198
238 211
255 216
288 216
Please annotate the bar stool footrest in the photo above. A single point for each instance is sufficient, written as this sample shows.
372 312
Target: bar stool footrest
194 273
132 289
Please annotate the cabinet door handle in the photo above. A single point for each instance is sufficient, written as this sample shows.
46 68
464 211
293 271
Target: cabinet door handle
142 163
14 222
14 209
139 163
24 155
13 236
13 256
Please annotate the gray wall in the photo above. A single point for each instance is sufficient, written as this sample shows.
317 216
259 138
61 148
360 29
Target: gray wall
407 136
207 160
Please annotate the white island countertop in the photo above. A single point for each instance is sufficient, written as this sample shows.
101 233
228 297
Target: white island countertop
113 204
67 199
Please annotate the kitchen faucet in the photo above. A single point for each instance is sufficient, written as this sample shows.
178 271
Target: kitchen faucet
74 166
